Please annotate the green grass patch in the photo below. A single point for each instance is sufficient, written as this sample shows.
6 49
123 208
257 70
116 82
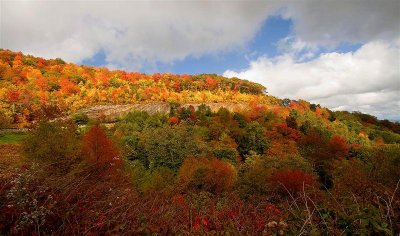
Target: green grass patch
12 137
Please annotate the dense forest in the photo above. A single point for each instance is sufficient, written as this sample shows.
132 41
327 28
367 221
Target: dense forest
277 167
33 89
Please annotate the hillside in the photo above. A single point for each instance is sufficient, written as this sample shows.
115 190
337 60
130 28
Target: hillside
33 88
185 154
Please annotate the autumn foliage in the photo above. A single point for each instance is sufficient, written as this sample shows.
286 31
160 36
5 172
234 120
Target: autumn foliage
212 175
32 83
173 120
292 181
227 159
99 149
338 147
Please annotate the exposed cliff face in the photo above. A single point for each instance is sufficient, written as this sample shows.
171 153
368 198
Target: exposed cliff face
112 112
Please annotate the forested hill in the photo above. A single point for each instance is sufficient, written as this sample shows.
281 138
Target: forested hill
32 88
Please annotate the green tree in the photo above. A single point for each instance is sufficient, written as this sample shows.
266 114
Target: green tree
253 139
203 113
166 146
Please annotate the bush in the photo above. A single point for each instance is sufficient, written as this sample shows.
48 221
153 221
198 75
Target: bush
80 118
338 147
202 174
256 173
293 181
173 120
227 154
158 181
136 121
5 120
253 177
56 143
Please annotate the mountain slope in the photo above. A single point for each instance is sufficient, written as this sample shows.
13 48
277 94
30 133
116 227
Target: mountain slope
33 88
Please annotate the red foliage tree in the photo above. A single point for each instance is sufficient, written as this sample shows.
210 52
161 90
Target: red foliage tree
285 131
211 83
99 149
13 95
338 147
177 86
292 180
18 60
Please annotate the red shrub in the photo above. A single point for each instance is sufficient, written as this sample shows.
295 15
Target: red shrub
292 180
173 120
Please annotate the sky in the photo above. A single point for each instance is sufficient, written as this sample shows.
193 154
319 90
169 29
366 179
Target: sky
344 55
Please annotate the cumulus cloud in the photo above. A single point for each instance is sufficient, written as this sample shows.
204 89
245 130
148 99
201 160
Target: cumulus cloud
130 32
367 80
133 33
325 22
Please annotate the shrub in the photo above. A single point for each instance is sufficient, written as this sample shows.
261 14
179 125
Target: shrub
227 154
292 181
256 173
253 177
203 113
158 181
80 118
56 143
291 122
212 175
173 120
5 120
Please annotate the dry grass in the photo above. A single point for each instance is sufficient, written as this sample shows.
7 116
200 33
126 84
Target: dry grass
10 157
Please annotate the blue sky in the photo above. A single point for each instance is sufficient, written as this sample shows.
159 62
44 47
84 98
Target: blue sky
344 55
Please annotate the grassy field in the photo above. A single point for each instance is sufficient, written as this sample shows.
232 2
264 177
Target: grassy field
12 137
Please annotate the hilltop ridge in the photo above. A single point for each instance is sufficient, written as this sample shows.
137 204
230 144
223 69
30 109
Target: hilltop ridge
33 88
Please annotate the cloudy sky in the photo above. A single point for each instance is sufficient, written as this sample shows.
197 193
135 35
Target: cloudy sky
342 54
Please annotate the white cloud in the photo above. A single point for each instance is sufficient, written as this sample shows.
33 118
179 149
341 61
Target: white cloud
129 32
135 32
367 80
329 22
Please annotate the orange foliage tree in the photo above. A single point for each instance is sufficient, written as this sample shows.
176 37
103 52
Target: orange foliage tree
211 175
99 149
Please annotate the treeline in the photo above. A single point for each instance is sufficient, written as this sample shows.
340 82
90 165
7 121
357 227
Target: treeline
298 170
